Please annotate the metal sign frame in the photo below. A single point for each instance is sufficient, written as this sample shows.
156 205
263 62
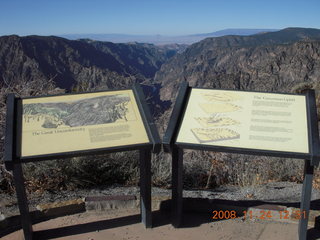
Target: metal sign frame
176 148
13 160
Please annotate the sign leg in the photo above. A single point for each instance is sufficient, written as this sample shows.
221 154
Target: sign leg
305 199
177 186
22 201
145 188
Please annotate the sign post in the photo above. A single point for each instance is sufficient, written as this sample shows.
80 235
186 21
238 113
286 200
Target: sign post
70 125
255 123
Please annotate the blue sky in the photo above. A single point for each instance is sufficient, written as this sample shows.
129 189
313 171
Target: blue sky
55 17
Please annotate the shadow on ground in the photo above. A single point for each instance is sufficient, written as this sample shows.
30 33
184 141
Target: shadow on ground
197 211
159 218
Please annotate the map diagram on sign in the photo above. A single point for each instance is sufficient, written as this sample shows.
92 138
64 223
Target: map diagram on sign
216 134
221 96
216 121
218 107
215 125
84 112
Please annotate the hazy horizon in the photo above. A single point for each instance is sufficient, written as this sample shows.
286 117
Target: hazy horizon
158 39
154 34
164 39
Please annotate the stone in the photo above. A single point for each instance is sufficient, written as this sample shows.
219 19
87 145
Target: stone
62 208
100 203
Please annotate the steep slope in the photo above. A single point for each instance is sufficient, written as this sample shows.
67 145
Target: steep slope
274 61
141 58
78 62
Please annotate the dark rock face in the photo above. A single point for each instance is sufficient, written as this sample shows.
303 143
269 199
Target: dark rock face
89 63
136 58
275 61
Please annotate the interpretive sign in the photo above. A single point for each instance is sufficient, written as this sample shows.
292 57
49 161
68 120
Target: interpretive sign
242 119
255 123
70 125
80 122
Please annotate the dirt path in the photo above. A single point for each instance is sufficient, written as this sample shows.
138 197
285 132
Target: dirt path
125 225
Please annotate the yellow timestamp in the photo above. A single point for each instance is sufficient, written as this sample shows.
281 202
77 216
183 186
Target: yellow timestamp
262 214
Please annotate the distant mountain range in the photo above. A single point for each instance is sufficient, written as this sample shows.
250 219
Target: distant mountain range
163 39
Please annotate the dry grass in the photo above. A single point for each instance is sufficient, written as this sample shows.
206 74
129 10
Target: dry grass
20 88
201 169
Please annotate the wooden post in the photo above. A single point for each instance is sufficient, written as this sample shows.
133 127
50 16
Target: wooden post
305 200
177 186
22 201
145 188
309 164
11 163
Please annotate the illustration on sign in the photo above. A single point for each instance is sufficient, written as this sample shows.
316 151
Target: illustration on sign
215 107
211 108
85 112
216 121
221 96
211 135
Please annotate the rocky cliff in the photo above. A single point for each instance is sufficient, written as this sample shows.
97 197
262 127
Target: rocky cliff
276 61
85 62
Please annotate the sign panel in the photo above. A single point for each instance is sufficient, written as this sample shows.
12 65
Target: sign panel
252 120
80 122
